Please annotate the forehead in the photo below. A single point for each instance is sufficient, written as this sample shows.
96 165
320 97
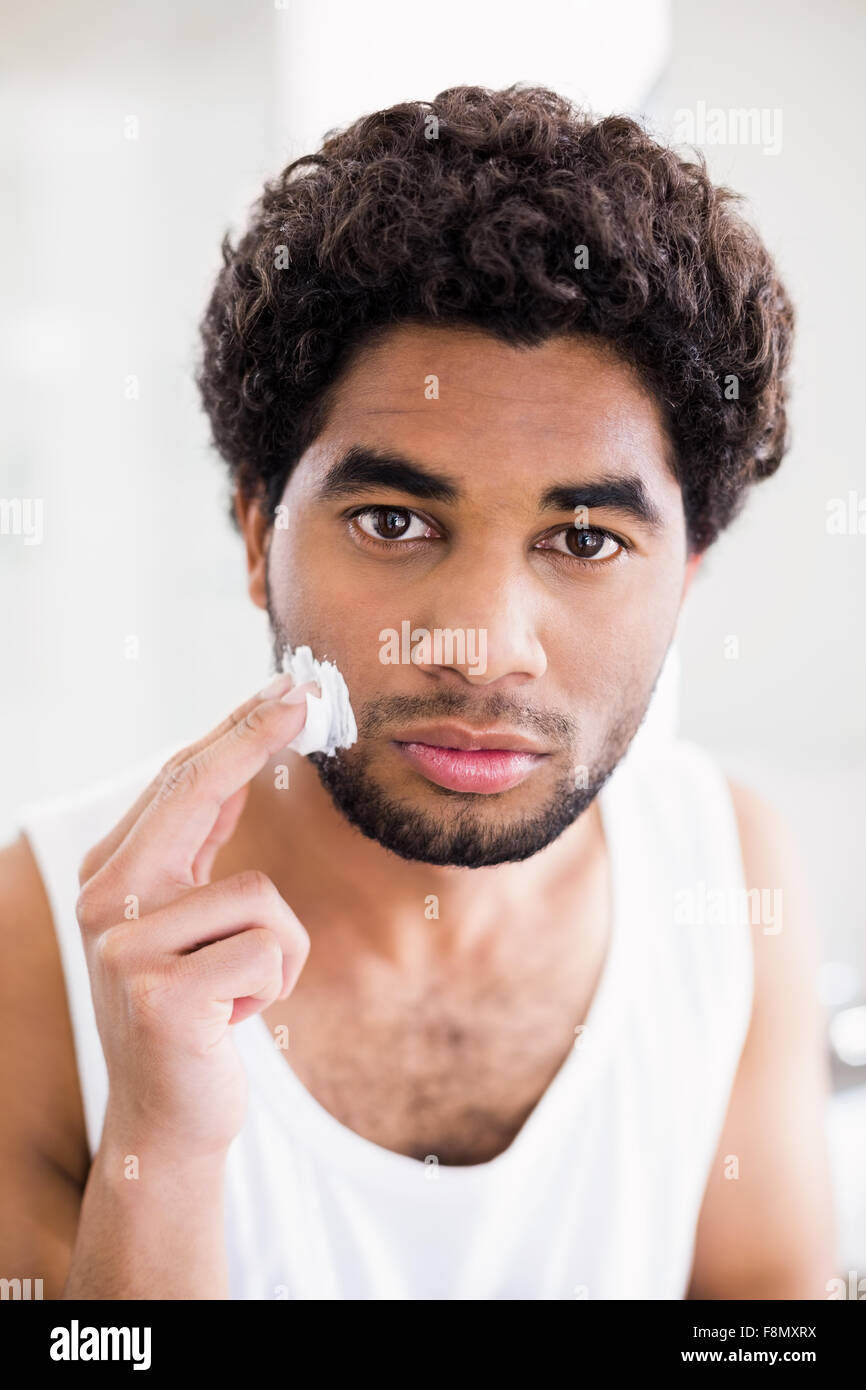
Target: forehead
462 398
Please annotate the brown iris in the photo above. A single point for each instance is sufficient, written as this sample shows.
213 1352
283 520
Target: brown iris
583 543
391 522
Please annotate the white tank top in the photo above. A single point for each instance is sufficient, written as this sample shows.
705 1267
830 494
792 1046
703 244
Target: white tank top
599 1194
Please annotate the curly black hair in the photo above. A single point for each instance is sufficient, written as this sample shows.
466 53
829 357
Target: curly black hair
468 210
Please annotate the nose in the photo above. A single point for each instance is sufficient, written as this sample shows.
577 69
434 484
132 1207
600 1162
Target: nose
486 622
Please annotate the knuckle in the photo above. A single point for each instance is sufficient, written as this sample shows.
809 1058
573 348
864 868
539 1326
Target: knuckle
251 724
181 756
110 950
88 866
262 939
147 992
235 718
296 932
181 776
87 911
266 947
253 883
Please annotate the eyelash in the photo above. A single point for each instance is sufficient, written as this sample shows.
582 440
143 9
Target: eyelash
380 543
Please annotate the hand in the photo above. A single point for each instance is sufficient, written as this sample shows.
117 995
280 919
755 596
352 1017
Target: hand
200 956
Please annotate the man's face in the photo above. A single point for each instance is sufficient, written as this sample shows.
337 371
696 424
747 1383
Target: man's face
557 631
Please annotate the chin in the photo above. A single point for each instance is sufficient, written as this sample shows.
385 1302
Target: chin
452 829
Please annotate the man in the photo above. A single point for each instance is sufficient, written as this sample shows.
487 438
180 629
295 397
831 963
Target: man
491 370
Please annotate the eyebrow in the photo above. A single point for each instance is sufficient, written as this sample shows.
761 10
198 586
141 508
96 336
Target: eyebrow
361 468
627 495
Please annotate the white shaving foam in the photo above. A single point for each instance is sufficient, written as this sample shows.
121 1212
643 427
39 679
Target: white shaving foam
330 722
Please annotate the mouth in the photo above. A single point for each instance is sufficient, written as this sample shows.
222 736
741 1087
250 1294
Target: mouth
463 760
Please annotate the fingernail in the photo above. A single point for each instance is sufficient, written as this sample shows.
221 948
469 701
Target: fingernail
276 686
300 693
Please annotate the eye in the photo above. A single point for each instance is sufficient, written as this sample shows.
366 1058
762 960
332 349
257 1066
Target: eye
591 544
392 524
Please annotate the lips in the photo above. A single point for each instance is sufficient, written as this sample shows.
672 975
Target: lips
469 740
476 769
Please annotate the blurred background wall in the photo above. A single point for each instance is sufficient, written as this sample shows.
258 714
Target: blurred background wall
132 137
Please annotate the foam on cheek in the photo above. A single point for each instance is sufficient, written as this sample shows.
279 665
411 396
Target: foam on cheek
330 722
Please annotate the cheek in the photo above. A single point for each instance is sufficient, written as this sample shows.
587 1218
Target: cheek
323 605
295 585
605 650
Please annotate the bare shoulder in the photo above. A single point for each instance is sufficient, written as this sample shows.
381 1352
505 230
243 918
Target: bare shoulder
766 1224
785 937
760 822
44 1157
37 1059
765 834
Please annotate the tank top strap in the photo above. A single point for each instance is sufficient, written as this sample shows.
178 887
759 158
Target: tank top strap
699 915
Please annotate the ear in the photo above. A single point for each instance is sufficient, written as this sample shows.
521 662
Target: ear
255 530
692 566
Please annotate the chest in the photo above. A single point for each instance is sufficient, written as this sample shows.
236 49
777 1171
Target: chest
454 1070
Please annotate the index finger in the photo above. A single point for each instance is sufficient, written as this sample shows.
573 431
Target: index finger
102 851
157 840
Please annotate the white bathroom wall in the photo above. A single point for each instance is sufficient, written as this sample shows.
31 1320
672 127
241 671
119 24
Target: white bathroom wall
130 137
338 61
